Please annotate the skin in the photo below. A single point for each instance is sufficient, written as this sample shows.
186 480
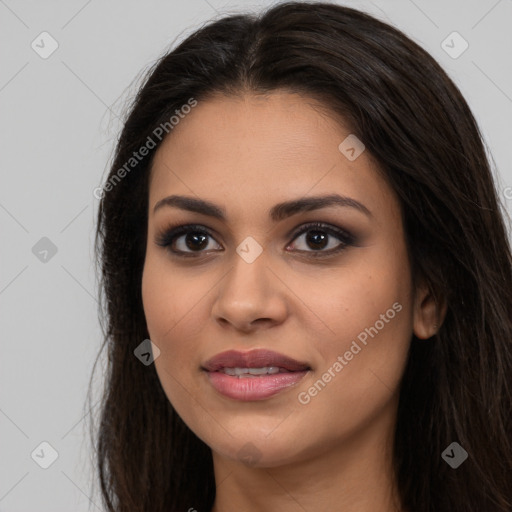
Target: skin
246 154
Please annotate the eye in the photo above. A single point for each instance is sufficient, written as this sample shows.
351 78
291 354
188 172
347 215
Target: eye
319 237
192 240
193 237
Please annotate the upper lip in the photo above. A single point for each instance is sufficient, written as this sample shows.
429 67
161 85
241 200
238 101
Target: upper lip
258 358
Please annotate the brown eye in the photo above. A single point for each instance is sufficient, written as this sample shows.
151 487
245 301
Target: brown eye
185 240
321 239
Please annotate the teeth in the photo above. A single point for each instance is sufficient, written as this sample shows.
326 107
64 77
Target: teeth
247 372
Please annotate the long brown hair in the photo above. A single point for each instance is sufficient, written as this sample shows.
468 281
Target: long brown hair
415 123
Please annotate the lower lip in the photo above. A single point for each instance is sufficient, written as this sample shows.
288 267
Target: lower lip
253 388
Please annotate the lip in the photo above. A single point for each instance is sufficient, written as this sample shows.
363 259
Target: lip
257 358
257 387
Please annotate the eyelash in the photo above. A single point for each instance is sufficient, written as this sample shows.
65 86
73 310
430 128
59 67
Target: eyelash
167 237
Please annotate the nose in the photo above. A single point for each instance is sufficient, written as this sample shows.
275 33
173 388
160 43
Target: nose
250 296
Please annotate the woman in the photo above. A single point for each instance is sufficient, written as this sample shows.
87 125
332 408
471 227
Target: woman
307 279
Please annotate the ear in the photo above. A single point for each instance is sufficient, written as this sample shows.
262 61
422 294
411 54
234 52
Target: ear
429 313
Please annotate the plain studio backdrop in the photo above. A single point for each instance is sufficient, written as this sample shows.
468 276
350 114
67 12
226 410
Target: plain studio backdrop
67 69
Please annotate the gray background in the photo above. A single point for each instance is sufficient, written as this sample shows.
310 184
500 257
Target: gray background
58 124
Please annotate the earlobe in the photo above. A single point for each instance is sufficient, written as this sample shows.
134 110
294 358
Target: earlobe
429 313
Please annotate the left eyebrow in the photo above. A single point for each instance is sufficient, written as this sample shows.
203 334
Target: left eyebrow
277 213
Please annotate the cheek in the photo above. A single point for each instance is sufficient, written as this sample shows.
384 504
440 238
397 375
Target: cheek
160 307
173 316
163 311
169 299
358 299
369 300
363 358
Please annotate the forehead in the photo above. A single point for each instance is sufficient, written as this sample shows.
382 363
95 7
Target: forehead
263 149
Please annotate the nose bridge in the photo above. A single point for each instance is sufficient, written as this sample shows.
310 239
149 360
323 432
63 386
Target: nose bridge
249 291
248 275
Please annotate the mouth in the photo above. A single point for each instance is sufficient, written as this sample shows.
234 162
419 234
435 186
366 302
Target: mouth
254 375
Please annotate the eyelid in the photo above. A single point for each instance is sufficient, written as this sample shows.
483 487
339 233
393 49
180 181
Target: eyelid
329 228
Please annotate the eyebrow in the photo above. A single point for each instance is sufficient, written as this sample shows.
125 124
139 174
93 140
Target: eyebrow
277 213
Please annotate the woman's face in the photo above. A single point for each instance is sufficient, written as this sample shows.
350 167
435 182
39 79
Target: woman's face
339 303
